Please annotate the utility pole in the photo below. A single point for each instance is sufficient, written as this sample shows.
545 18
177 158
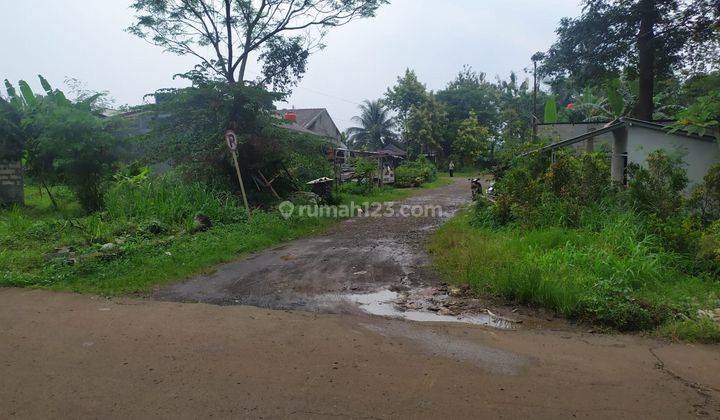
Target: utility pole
534 119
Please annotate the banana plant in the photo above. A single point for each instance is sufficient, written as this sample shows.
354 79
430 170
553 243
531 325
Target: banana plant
551 113
27 99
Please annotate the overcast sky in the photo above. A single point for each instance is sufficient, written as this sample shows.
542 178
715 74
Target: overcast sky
85 39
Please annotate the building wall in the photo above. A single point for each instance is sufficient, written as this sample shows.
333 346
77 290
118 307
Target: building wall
324 125
559 132
11 183
698 155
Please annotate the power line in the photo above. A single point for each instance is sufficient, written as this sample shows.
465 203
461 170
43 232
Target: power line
317 92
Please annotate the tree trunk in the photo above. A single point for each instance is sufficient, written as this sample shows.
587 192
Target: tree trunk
646 60
52 199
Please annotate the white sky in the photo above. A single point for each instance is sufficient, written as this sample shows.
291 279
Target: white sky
85 39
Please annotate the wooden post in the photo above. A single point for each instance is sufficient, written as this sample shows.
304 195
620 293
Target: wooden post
231 140
269 184
242 185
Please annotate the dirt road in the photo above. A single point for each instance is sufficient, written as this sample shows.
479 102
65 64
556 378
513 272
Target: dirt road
358 255
64 355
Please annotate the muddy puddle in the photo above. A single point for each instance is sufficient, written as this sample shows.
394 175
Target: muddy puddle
421 305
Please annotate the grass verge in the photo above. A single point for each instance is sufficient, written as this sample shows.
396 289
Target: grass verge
607 277
149 227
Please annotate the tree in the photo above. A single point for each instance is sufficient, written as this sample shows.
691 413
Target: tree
645 39
425 129
191 123
470 91
472 143
64 141
376 126
223 34
408 92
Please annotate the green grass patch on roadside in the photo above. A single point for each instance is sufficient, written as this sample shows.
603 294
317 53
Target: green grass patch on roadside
149 226
611 276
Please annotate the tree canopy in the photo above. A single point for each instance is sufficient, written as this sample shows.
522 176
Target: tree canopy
642 39
408 92
224 34
376 127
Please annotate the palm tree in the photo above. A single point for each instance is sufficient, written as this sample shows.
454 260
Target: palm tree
376 126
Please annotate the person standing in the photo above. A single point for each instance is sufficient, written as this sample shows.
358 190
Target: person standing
451 169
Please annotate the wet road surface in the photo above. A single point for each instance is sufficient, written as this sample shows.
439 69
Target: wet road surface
363 254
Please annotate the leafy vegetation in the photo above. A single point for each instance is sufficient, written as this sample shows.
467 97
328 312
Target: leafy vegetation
63 142
560 236
146 236
223 36
375 129
414 174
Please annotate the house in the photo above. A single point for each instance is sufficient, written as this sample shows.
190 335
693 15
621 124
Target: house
394 151
628 140
315 121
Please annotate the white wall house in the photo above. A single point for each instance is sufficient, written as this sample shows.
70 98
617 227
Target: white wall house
631 141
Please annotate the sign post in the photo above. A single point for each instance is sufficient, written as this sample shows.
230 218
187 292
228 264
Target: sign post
231 140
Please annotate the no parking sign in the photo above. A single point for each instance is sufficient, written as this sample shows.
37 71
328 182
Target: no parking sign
231 139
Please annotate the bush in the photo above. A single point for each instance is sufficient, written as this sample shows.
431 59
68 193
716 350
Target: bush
705 198
365 170
565 238
415 173
406 177
658 188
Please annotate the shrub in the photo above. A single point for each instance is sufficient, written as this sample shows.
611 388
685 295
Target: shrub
658 188
415 173
408 177
170 202
705 197
365 170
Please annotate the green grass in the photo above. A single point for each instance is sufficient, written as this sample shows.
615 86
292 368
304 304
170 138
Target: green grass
702 330
150 225
611 276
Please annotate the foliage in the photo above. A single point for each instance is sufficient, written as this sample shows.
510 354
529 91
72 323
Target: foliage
656 190
551 113
603 42
472 143
559 234
365 171
610 273
224 35
407 93
153 245
425 127
702 117
375 129
189 124
533 195
64 141
170 201
148 220
703 330
470 91
12 137
705 197
415 173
